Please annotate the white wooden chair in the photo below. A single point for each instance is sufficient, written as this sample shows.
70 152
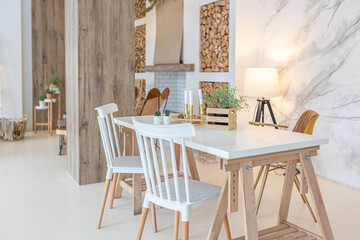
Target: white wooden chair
178 193
116 164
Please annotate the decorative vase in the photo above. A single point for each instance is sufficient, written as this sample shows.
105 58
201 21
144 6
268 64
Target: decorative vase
157 120
167 120
42 104
49 96
221 118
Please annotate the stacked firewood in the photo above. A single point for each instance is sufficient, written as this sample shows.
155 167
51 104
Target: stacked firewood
214 30
140 48
139 9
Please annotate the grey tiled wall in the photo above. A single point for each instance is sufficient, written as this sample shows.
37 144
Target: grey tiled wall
176 82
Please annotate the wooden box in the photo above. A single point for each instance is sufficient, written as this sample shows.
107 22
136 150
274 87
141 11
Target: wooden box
221 119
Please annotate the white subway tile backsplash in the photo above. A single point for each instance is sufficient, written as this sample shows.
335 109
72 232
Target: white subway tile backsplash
176 82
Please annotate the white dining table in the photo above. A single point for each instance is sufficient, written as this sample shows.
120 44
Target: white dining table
239 151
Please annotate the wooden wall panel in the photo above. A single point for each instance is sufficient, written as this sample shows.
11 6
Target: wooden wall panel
48 49
105 74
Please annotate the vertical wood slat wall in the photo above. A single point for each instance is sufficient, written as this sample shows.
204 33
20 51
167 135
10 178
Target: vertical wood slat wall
99 70
48 49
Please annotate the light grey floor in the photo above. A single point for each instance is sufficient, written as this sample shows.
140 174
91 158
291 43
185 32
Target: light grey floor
39 200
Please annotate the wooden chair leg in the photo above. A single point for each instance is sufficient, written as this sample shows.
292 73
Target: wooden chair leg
227 228
144 214
263 187
103 201
185 231
153 215
258 176
304 198
114 181
176 225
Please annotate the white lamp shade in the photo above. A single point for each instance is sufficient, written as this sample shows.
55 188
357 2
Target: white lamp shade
261 82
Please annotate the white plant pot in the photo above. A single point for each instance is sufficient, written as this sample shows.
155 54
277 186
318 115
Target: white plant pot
167 120
42 104
157 120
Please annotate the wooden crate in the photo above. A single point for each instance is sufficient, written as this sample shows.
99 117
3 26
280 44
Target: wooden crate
221 119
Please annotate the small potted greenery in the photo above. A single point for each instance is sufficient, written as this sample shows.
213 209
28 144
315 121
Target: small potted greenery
157 117
64 115
167 116
54 82
49 93
222 105
41 101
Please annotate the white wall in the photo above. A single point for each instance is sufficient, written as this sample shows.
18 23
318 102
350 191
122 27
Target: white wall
11 58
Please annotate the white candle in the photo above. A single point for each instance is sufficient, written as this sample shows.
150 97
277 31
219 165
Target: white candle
186 97
200 97
190 98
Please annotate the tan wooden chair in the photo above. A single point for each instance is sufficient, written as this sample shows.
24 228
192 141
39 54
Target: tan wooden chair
305 125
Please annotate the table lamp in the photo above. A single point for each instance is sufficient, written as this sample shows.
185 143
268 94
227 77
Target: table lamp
264 84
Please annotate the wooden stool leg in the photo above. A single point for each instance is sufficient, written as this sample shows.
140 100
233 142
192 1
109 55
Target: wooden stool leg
185 231
153 215
304 198
114 181
103 201
176 225
258 176
50 118
144 214
263 187
227 228
316 194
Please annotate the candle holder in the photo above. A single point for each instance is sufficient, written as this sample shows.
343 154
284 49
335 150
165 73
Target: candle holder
202 114
186 111
191 112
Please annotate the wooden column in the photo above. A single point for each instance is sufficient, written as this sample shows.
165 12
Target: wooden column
99 70
48 49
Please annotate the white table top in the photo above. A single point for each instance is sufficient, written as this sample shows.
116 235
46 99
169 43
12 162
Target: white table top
241 142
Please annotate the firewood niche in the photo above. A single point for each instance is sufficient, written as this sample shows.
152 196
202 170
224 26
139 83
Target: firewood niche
214 33
140 48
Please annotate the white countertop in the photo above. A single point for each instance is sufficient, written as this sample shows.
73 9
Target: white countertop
241 142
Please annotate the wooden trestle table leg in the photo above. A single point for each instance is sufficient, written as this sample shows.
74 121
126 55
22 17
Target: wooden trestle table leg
322 217
248 194
192 164
220 212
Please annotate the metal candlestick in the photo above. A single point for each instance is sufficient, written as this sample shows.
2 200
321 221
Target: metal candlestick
202 114
186 111
191 112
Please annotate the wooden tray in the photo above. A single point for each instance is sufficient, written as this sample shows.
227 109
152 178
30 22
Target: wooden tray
194 120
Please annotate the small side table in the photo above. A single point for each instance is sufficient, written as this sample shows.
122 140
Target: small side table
49 109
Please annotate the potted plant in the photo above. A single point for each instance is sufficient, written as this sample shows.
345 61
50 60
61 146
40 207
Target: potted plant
49 93
157 117
41 101
167 116
64 115
222 105
54 82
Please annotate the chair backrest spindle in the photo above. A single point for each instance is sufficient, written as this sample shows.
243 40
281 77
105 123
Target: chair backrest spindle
108 131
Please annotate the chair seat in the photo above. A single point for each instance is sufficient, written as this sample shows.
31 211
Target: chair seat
200 192
127 164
